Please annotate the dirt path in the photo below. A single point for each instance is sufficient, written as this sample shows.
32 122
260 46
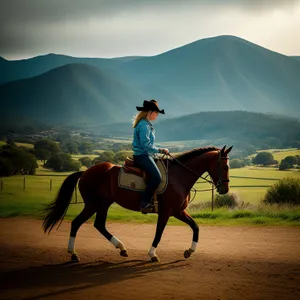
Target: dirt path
231 263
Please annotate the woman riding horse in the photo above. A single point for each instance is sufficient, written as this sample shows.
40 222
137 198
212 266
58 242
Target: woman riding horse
99 189
144 150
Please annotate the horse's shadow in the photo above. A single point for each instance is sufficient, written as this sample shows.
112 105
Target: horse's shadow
68 277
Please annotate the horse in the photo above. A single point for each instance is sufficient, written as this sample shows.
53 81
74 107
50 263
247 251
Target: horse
99 189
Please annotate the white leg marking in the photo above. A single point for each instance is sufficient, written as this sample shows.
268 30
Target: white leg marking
71 245
151 252
117 243
194 246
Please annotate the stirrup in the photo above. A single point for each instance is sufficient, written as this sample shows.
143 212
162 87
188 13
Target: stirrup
147 209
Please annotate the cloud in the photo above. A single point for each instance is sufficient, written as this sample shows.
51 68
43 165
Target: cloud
128 27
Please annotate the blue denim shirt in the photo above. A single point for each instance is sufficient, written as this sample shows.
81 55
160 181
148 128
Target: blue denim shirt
144 138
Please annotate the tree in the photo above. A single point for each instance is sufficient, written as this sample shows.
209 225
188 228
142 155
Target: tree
106 156
284 166
85 161
14 160
291 160
121 156
288 162
45 148
61 162
263 158
236 163
69 146
85 148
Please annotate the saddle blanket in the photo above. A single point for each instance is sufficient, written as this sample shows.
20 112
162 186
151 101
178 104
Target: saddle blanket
136 183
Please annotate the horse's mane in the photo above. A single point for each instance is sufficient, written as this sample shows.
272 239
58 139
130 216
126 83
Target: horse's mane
192 153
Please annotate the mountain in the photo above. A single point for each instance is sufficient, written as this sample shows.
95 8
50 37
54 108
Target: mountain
237 127
26 68
71 94
222 73
296 57
215 74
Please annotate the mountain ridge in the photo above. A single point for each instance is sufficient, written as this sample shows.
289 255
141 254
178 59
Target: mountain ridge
221 73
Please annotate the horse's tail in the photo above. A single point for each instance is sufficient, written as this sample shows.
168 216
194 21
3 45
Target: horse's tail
57 209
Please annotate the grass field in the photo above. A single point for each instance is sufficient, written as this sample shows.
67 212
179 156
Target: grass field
280 154
14 200
18 144
249 184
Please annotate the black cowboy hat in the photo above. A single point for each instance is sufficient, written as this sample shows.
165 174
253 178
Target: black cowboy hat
151 105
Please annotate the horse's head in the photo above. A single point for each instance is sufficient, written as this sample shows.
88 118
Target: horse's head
219 170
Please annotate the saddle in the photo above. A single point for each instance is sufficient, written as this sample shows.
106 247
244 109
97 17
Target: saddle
133 178
130 167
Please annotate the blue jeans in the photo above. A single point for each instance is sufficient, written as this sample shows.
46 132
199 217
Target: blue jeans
147 164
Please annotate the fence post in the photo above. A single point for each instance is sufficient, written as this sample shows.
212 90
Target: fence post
24 184
50 184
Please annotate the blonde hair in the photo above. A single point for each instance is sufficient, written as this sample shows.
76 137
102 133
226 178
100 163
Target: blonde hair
138 117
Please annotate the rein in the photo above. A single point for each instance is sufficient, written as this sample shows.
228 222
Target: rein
190 170
215 186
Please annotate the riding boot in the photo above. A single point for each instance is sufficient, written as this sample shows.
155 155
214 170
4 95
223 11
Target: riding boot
146 206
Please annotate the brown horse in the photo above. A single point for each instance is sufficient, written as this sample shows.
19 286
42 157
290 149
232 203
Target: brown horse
99 188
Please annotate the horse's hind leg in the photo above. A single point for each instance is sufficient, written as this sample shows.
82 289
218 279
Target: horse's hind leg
186 218
86 213
100 226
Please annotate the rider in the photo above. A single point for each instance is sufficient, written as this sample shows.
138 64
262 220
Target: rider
144 149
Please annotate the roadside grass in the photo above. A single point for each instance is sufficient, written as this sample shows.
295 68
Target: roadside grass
32 203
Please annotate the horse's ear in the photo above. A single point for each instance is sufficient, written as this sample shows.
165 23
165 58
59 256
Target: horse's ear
228 150
223 149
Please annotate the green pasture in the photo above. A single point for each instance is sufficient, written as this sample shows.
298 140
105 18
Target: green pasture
18 144
78 156
280 154
249 183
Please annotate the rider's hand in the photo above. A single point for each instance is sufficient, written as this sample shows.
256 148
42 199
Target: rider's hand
165 151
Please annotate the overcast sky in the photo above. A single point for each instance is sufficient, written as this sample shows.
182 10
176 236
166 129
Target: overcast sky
112 28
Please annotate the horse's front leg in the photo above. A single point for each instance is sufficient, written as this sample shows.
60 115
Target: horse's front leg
186 218
162 221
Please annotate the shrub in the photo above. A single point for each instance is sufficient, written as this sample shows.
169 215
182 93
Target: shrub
237 163
230 200
286 190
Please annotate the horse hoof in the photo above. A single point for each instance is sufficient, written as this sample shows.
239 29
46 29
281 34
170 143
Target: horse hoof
75 258
186 254
124 253
154 259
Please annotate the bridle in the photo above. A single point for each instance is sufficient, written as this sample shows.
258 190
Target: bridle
220 179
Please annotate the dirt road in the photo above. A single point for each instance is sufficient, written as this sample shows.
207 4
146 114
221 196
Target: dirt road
231 263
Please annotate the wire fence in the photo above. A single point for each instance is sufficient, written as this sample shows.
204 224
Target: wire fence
52 183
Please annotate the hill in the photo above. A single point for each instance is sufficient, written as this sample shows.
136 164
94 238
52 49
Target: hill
71 94
222 73
246 130
215 74
27 68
